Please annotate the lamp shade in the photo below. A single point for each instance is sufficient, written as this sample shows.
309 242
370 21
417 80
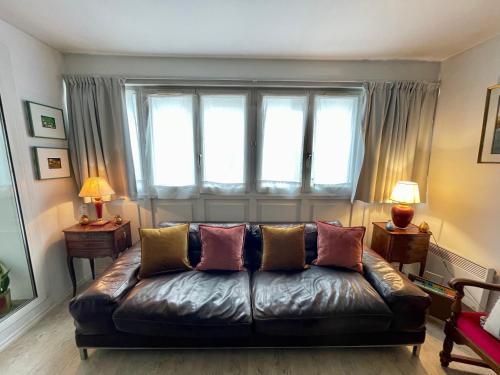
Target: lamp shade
95 187
406 192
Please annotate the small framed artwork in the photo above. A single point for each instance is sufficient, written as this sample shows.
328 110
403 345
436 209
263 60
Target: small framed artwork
489 148
51 162
45 121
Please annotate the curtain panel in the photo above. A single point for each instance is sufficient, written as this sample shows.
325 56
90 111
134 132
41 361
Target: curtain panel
397 131
99 138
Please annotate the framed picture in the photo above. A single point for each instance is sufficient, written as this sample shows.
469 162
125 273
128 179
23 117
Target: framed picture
489 149
51 162
45 121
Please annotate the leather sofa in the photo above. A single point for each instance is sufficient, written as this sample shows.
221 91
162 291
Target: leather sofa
317 306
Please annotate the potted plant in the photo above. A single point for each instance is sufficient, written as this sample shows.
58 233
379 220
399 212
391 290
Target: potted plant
5 300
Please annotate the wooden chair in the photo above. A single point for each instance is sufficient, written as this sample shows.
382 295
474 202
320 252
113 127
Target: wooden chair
463 328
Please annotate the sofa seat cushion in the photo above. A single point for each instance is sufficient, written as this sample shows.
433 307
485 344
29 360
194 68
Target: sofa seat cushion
188 304
317 301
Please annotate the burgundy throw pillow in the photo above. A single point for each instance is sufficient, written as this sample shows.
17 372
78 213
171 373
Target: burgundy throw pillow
340 246
221 248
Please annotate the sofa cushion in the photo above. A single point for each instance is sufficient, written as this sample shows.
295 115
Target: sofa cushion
282 248
340 246
163 250
316 301
188 304
222 248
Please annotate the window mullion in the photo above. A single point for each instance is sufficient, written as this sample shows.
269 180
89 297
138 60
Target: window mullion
252 129
307 160
198 157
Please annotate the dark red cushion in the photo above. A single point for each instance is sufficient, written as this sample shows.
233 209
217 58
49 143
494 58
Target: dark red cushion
221 248
340 246
468 324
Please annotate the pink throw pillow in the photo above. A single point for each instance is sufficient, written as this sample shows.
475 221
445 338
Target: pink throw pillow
340 246
221 248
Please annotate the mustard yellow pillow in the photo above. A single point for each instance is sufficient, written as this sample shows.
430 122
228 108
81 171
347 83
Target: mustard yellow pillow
164 250
283 248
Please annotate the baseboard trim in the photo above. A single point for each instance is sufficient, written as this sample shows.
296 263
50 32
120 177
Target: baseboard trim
21 321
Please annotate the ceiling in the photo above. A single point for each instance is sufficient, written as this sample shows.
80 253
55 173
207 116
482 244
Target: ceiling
303 29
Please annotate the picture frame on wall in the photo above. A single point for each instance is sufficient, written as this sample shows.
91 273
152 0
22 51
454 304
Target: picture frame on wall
51 163
45 121
489 148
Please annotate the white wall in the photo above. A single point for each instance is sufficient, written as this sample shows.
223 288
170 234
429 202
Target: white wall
464 196
30 70
212 68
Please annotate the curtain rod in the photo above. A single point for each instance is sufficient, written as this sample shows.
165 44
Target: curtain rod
241 83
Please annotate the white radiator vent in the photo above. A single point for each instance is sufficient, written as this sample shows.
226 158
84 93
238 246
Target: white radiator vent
475 269
450 265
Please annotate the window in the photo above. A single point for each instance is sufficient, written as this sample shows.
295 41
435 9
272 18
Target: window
333 140
223 139
282 143
172 143
187 141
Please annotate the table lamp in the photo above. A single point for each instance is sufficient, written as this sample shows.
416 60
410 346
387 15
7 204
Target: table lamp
404 194
96 188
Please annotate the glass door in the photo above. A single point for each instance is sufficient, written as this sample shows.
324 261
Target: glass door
17 286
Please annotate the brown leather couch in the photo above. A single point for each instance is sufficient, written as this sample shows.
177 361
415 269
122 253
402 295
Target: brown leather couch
318 306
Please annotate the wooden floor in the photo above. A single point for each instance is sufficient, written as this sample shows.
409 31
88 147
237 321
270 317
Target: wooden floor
49 349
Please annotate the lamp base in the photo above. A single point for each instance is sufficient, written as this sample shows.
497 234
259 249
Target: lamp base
402 215
98 210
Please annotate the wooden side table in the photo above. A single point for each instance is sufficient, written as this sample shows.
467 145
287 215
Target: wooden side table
90 242
401 245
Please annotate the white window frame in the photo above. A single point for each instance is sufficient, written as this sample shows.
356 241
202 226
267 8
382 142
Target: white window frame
254 92
338 190
259 136
246 152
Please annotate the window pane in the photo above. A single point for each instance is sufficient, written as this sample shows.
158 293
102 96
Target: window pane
131 98
223 138
334 123
283 123
172 138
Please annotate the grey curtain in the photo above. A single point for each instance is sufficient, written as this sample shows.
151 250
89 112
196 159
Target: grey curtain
98 132
398 124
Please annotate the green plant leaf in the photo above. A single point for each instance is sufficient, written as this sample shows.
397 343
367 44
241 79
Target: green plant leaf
4 283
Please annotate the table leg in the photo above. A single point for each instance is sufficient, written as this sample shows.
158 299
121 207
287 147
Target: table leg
92 268
422 268
71 269
400 267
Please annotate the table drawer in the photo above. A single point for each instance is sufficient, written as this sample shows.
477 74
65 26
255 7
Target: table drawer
95 252
83 245
409 250
91 236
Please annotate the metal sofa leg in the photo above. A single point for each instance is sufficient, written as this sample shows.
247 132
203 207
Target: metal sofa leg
416 350
83 353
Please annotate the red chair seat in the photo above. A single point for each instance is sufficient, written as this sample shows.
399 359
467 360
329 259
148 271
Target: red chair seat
468 324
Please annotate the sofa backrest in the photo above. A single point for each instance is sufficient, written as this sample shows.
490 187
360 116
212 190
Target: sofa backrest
253 245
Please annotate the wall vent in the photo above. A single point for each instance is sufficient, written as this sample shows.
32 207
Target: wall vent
443 262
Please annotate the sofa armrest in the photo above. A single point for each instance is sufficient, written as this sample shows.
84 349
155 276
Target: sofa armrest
408 302
93 308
